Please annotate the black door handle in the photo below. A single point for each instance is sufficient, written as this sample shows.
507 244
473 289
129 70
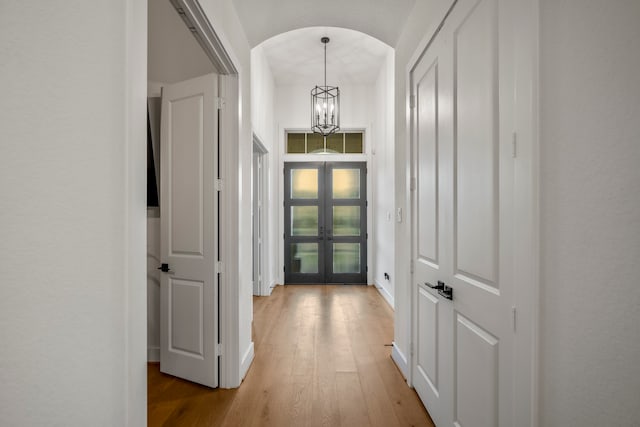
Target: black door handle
447 292
164 268
438 287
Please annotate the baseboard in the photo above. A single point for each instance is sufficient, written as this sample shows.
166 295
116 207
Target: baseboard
386 295
153 354
400 360
246 360
267 292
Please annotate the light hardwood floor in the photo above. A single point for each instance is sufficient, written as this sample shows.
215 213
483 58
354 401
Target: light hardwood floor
322 359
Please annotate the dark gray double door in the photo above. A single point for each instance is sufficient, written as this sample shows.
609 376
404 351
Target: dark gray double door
325 222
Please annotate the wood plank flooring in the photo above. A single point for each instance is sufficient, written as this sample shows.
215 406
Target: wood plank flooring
321 360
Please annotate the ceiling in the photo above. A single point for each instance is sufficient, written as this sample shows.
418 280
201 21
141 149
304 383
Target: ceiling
382 19
297 57
362 33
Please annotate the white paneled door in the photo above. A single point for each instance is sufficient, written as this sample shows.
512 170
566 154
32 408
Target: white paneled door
462 201
189 218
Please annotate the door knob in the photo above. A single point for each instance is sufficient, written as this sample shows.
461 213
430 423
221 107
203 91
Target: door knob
164 268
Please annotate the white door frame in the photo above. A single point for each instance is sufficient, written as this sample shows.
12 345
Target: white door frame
526 219
263 181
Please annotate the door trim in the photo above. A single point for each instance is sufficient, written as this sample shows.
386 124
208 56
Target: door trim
258 147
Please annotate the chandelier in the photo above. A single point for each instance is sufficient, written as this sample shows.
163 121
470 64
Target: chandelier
325 104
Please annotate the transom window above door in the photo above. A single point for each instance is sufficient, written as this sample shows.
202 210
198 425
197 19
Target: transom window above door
337 143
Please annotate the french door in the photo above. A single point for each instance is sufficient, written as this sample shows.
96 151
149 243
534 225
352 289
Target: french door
325 222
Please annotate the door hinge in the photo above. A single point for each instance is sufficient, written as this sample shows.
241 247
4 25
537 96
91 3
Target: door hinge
218 349
218 267
514 316
411 266
220 103
411 349
412 101
514 143
412 184
218 185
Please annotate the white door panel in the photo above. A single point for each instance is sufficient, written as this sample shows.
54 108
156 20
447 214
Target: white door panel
186 332
462 219
476 389
427 155
475 146
427 351
188 294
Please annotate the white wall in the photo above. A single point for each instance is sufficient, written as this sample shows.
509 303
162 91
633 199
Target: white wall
293 104
382 171
262 98
174 54
423 20
72 236
264 125
590 213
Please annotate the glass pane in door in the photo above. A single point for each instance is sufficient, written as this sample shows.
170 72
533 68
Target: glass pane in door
304 257
346 183
304 220
346 257
346 220
304 183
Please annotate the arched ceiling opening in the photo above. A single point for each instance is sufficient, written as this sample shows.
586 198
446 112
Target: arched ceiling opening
297 57
382 19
